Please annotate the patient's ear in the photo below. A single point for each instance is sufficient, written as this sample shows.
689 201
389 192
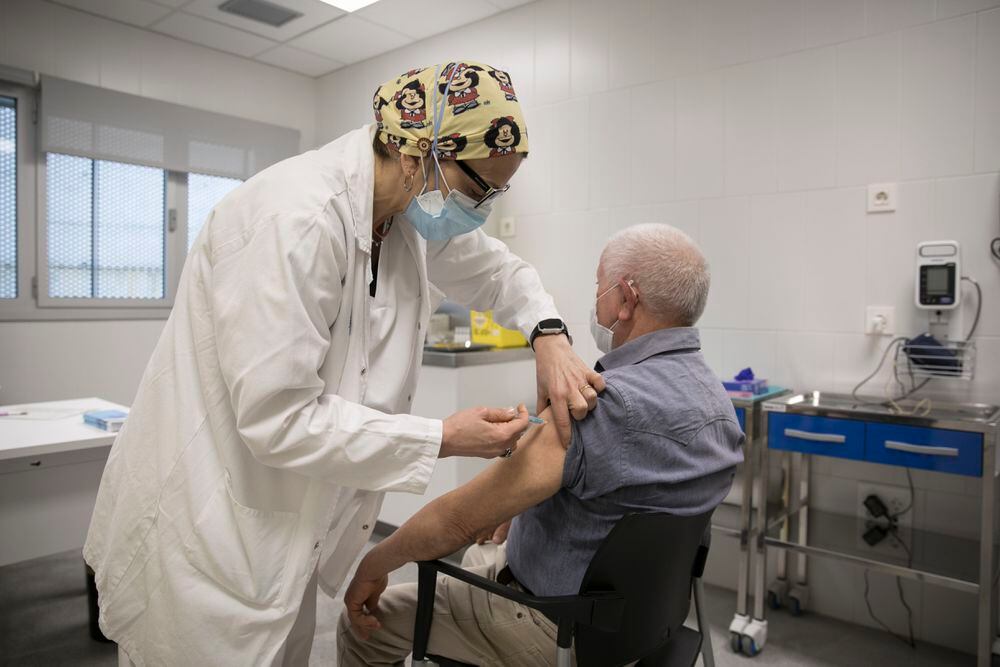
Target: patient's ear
631 299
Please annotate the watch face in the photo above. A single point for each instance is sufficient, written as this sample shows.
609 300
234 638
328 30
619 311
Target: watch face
551 325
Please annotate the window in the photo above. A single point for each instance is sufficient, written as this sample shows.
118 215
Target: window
102 195
203 193
8 197
105 229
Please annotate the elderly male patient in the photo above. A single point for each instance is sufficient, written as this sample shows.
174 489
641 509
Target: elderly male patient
662 438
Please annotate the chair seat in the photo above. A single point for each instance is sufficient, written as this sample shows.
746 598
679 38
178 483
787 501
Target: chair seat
681 651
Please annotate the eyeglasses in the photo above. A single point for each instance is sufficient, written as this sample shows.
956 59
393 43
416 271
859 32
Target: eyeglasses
490 191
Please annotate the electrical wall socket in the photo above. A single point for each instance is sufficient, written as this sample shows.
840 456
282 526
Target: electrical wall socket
896 498
880 320
881 197
508 228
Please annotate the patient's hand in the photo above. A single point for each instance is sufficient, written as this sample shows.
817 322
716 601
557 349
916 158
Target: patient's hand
496 535
361 600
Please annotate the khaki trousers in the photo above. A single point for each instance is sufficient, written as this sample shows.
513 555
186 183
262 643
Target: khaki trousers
470 625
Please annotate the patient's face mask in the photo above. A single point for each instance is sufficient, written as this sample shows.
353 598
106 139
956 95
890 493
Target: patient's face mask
437 218
603 336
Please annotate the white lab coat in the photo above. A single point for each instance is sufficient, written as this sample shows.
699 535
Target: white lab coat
249 457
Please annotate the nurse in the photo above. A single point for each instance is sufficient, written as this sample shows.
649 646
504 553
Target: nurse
274 412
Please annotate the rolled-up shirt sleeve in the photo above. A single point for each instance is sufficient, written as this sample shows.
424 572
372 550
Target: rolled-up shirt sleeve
274 302
594 460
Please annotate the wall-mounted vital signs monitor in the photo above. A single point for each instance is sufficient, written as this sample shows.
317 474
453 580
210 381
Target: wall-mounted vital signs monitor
938 275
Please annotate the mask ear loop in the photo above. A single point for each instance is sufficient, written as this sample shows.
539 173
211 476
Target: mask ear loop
423 170
441 171
628 282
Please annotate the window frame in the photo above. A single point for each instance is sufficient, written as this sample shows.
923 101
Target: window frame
33 302
171 272
25 105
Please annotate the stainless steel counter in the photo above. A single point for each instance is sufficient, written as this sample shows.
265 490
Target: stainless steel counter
961 416
480 358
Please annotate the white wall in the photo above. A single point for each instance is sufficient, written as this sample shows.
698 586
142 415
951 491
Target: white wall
53 360
755 126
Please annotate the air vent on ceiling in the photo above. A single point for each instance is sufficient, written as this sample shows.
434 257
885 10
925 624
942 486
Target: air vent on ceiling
260 10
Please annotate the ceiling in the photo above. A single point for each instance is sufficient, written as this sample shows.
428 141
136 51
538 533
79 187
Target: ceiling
320 41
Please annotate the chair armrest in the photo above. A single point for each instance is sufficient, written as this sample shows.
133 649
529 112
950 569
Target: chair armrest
602 610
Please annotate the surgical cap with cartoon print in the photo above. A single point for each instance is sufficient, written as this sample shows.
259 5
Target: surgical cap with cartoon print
469 107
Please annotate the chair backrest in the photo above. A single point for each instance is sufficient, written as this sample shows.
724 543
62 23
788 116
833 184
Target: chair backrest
649 560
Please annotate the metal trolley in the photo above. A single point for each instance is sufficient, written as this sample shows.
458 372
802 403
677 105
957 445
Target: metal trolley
751 418
949 438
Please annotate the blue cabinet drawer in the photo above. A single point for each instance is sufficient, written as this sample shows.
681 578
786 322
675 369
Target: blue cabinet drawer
956 452
816 435
741 417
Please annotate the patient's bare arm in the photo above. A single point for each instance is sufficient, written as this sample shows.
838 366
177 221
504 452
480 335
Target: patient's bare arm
443 526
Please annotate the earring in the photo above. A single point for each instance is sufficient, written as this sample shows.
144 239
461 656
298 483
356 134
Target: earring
408 184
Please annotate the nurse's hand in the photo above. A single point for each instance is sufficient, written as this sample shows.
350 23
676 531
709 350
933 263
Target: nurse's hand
564 382
483 432
361 600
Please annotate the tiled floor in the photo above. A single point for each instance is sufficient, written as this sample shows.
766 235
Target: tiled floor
43 621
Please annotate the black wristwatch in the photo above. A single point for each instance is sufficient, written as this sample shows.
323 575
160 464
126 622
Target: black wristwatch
550 327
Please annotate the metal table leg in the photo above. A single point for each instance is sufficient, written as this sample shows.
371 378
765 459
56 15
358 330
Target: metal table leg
742 618
777 590
798 596
755 633
984 641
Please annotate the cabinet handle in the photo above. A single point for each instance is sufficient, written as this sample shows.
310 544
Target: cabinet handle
930 450
815 437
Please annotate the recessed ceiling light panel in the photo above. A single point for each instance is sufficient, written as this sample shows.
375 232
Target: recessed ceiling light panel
349 5
261 11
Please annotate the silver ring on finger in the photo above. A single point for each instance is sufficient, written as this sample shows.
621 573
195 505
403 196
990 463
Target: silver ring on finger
507 453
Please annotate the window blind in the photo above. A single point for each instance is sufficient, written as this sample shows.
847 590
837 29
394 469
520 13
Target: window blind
79 119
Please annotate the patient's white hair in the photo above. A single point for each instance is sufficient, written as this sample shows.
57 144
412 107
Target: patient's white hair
670 273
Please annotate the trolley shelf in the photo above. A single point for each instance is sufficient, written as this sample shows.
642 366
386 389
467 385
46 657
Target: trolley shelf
938 558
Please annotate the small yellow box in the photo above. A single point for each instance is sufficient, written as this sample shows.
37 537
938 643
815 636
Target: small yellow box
487 332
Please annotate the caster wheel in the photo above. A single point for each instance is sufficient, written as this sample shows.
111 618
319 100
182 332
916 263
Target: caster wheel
735 642
750 647
773 601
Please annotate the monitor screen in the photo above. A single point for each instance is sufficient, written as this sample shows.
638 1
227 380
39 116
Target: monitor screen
938 281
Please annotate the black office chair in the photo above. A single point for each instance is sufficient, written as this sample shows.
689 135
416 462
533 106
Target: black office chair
632 603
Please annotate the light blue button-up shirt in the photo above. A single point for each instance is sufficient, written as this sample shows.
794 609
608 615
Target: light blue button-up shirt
663 438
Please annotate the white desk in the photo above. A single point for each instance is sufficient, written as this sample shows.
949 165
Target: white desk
53 427
50 468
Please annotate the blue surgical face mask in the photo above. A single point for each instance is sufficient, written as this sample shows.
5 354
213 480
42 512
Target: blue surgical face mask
437 218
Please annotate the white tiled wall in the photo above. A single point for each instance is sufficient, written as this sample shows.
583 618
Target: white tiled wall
755 125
